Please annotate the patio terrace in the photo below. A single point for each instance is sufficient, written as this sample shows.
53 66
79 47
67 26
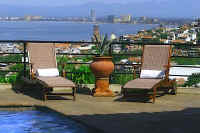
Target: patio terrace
171 113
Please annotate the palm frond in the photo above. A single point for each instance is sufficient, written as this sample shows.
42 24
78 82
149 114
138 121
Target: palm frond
103 44
97 41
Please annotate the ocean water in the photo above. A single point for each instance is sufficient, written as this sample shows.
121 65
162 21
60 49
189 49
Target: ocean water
37 122
62 31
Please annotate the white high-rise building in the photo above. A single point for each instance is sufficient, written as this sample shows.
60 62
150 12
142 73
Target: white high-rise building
93 15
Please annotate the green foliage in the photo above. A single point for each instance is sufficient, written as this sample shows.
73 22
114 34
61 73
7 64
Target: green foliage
102 46
121 78
186 61
84 58
10 58
80 74
83 75
159 30
65 59
15 76
198 36
21 74
17 67
3 73
61 59
8 79
193 79
149 31
135 52
163 36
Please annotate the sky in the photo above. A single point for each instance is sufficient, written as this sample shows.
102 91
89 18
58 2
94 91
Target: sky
152 8
53 2
69 2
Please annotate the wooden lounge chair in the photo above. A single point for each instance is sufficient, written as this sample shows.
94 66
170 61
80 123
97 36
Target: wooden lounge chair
42 56
154 72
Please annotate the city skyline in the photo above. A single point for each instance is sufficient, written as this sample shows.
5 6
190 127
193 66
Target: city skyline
151 8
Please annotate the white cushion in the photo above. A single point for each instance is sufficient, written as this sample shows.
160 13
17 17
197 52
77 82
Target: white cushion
47 72
152 74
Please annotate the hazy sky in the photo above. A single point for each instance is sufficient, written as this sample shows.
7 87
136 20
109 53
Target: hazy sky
157 8
67 2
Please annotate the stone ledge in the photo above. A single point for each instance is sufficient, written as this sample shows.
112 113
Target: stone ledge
181 90
189 90
5 86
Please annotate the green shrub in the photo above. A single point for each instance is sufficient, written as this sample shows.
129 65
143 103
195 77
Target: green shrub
193 79
186 61
81 74
17 67
121 78
2 80
8 79
10 58
3 73
118 58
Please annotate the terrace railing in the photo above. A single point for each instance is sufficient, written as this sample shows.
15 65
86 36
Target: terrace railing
182 53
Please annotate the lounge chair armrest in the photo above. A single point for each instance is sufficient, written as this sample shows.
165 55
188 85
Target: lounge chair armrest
63 70
167 71
32 74
31 65
166 66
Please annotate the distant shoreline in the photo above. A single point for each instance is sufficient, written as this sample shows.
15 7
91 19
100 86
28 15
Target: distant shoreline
76 22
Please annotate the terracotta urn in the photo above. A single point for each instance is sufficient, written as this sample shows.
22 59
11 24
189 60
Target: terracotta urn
102 67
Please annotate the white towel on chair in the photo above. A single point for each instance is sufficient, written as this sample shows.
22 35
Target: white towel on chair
152 74
47 72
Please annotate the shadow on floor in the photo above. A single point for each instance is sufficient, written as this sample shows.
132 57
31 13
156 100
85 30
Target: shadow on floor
84 90
136 98
35 90
141 95
185 121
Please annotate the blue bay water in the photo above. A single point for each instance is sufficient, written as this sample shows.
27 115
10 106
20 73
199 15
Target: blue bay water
62 31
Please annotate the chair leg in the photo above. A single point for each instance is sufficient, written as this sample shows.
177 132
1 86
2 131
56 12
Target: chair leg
124 92
174 88
74 93
154 94
45 96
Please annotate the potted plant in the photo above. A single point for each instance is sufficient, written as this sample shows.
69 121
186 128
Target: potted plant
102 66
